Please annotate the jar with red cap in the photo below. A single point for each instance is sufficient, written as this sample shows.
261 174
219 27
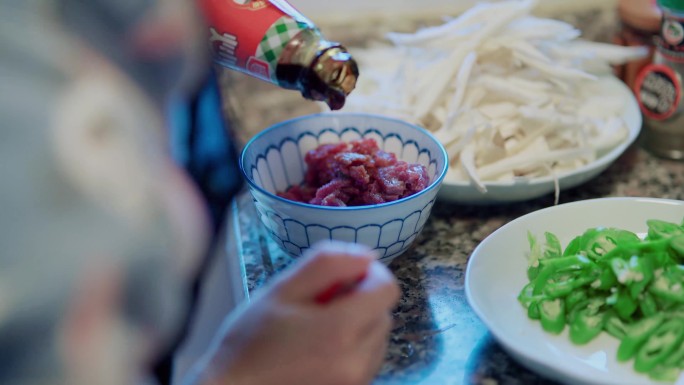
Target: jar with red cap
658 86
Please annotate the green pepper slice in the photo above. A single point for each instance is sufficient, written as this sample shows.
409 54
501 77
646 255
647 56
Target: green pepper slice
599 241
575 298
552 312
606 280
549 267
676 358
664 373
658 229
564 287
659 345
669 286
647 305
632 271
644 269
625 305
573 247
637 335
539 251
615 326
533 311
586 326
552 248
526 296
677 247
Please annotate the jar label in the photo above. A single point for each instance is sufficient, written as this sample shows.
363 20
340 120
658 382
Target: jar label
249 35
672 32
670 42
658 91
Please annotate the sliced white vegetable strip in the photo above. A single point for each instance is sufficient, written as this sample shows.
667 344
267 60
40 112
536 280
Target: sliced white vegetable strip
435 82
468 163
556 184
460 86
470 18
511 163
454 150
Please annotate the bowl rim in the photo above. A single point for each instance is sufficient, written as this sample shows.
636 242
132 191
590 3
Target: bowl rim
433 185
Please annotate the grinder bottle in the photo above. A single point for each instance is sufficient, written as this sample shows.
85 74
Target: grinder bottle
659 86
271 40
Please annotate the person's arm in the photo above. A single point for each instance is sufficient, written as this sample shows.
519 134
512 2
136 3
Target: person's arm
285 336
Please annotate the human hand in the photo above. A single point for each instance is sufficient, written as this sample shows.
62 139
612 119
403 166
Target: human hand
286 336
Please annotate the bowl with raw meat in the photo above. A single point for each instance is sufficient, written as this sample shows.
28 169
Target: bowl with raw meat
361 178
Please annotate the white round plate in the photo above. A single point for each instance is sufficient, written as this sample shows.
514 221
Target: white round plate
525 189
496 273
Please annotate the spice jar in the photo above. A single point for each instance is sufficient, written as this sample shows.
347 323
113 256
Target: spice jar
658 86
271 40
639 25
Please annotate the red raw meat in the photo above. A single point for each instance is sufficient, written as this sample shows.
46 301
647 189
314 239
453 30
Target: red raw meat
356 174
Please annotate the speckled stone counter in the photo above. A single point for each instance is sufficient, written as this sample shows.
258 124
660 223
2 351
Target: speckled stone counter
437 339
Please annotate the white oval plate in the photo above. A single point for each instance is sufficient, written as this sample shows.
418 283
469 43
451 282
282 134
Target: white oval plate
497 271
525 189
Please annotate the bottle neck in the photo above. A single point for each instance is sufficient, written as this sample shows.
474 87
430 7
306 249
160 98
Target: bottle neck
321 70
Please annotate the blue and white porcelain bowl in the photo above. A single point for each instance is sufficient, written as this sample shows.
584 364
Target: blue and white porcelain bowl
274 160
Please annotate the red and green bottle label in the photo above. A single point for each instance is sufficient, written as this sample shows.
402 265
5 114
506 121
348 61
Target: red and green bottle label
250 35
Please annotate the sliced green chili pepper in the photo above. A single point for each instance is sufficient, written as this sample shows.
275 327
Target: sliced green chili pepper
627 272
615 326
655 250
573 247
643 268
575 298
552 313
599 241
637 336
647 305
676 312
658 229
625 306
593 305
669 286
677 247
526 296
534 257
659 345
664 373
676 358
606 280
586 326
562 288
552 248
549 267
533 311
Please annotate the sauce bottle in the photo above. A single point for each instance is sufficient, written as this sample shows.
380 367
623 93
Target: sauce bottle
271 40
658 86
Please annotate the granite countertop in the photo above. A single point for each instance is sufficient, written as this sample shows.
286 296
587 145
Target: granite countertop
437 339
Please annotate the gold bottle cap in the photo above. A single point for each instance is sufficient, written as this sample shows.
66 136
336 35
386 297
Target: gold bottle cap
335 72
321 70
